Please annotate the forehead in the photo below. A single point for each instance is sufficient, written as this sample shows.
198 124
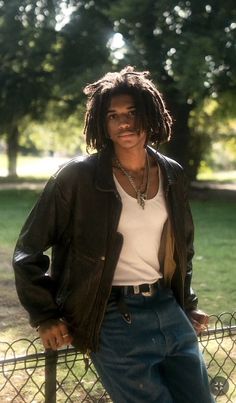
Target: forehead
121 101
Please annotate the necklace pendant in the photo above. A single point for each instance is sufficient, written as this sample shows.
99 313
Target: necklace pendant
141 197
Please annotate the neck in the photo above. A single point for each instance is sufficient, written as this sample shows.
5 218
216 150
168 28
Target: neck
132 160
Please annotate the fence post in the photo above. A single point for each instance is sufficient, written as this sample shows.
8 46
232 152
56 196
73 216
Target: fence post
50 376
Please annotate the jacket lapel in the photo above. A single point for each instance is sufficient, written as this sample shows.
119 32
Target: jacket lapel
104 176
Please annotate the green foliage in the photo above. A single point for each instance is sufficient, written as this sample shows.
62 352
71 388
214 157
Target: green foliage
27 40
84 55
172 39
213 133
40 63
55 134
190 49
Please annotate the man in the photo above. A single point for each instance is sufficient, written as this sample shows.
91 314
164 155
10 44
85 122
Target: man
121 233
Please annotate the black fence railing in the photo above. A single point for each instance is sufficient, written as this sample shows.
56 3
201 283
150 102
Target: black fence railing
29 375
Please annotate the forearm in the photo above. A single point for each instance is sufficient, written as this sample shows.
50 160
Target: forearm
190 298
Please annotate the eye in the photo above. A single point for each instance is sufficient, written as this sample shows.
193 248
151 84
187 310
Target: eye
112 116
132 112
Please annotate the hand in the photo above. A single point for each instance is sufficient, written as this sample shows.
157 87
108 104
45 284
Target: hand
54 334
199 320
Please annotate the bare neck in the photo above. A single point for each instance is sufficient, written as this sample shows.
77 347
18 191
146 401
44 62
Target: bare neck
132 160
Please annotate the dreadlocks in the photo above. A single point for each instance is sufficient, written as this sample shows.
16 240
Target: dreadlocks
152 115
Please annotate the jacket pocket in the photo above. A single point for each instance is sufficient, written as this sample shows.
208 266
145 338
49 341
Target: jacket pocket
80 291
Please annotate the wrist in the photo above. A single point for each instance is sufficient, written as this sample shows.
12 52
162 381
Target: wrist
48 323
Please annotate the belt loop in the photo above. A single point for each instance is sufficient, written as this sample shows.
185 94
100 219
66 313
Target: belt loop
122 306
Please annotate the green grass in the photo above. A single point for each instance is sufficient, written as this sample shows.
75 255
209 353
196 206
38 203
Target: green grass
14 206
215 254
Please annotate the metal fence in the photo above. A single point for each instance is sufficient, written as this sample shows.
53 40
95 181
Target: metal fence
31 375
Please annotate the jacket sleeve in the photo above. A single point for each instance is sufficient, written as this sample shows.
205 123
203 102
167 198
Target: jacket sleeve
43 228
190 298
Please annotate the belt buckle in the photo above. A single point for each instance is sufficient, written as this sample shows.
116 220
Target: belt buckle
148 293
136 289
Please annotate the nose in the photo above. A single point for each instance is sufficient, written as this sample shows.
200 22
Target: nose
124 121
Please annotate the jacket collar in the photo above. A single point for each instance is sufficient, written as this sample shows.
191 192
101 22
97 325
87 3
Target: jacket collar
104 176
166 165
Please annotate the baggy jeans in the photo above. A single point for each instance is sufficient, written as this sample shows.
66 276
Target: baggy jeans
155 358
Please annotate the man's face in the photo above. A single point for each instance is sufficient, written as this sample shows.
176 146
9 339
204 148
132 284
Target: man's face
121 123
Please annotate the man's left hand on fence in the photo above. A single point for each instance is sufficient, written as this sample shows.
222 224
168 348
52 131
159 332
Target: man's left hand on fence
199 320
54 334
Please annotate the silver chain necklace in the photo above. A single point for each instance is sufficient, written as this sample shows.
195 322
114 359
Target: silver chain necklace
140 196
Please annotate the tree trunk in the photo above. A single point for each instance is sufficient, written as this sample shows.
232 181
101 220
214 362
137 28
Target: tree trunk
179 147
12 149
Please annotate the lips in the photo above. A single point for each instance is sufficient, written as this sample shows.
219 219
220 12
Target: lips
126 133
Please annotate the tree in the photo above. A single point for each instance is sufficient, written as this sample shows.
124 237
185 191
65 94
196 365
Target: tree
189 46
214 121
27 42
57 133
41 61
84 54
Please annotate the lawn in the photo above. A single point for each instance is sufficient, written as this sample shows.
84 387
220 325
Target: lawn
14 205
215 254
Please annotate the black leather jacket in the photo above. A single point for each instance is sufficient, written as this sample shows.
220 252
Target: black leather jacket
77 215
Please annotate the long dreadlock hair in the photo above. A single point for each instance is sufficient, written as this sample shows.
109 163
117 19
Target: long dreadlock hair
152 115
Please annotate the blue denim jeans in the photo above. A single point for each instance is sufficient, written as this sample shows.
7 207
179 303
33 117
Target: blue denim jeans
155 358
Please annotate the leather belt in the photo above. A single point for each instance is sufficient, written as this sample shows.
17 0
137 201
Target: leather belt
146 290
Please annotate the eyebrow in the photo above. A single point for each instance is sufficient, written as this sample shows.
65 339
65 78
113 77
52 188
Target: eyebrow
114 110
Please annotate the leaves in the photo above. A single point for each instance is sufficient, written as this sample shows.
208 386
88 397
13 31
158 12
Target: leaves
27 57
50 50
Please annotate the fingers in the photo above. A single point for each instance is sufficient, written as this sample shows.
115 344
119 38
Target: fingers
199 320
200 316
64 333
198 327
55 336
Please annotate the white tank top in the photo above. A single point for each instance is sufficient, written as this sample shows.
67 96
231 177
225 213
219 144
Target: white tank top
141 229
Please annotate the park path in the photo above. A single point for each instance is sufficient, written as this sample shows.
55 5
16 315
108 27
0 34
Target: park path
214 186
22 185
200 188
210 190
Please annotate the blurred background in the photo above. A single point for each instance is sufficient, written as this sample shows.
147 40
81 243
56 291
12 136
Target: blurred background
49 50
